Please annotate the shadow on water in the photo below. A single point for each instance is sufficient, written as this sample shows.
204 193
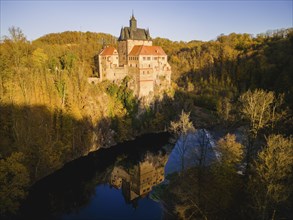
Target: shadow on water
132 167
47 138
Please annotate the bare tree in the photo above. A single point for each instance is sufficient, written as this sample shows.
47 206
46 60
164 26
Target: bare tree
181 129
201 149
16 34
260 108
256 107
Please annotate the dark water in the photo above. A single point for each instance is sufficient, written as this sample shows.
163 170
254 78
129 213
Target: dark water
114 183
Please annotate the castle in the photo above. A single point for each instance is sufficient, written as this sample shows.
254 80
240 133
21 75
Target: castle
136 57
138 180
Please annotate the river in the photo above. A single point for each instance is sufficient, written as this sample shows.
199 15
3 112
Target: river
113 183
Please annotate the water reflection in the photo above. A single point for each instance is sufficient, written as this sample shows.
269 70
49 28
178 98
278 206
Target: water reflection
137 180
117 178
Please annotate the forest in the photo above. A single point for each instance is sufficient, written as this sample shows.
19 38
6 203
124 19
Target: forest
50 115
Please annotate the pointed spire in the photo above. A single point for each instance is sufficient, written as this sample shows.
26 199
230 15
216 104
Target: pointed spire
132 16
148 34
132 22
122 35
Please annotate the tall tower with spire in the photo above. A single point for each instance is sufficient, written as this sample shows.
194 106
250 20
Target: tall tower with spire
136 57
130 37
133 23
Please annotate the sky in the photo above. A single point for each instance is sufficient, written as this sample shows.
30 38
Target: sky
175 20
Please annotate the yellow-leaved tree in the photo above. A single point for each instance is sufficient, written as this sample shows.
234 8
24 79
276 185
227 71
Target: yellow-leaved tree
271 183
14 180
262 110
230 151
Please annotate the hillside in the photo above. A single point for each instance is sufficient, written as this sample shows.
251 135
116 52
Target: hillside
50 114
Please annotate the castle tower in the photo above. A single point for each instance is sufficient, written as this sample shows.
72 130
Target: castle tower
129 37
146 65
132 23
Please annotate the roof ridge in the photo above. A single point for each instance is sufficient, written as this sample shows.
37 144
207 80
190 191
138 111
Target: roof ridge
147 50
109 50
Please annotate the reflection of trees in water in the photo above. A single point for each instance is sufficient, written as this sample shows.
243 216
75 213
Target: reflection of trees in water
198 151
210 188
72 187
61 195
221 190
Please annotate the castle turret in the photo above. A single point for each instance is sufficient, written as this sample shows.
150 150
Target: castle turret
133 23
122 35
148 34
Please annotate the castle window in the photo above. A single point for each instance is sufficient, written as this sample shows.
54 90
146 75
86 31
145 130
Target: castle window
155 58
149 65
163 58
144 58
149 58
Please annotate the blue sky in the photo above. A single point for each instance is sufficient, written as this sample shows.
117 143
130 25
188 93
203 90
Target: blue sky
176 20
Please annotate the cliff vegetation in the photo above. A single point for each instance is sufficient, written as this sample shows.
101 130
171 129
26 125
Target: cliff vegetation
50 114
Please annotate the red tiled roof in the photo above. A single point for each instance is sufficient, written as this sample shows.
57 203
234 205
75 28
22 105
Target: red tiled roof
147 50
108 51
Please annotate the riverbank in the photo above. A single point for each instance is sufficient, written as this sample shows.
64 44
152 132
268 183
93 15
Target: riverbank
75 185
